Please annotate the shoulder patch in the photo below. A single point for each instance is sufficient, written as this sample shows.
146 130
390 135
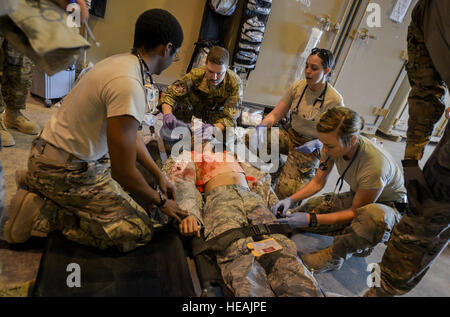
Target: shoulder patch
180 88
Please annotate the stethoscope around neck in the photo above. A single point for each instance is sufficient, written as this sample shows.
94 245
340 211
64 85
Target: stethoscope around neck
145 71
147 81
320 99
340 182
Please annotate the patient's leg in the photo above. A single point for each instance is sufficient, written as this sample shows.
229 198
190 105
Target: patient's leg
224 210
242 273
286 273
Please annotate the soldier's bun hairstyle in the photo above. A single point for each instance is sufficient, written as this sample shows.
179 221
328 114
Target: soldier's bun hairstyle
218 55
155 27
345 120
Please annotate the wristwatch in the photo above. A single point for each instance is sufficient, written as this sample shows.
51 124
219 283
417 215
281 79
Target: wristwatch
163 201
312 220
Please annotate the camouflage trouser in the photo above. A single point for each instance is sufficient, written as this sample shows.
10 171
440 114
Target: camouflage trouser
2 195
299 169
372 224
422 235
86 204
16 78
277 274
426 99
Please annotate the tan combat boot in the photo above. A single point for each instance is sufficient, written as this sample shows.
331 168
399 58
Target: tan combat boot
14 119
7 138
23 210
322 261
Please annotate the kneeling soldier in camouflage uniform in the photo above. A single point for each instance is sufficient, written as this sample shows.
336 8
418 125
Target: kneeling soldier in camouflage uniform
230 205
212 93
74 186
361 218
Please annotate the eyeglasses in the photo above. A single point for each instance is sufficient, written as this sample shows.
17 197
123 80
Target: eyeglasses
174 52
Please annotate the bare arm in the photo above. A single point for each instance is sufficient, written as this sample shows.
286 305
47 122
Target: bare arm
165 108
279 112
315 185
122 134
144 158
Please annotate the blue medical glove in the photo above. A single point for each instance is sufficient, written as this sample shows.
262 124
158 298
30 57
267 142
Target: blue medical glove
169 121
310 146
295 220
257 137
282 206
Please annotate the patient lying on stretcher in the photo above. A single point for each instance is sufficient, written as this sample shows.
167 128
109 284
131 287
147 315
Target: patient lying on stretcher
229 204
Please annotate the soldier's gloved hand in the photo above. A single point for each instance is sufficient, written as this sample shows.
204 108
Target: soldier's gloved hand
295 220
258 136
282 206
310 146
205 132
170 121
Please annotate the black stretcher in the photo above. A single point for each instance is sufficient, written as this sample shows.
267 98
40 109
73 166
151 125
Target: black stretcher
155 270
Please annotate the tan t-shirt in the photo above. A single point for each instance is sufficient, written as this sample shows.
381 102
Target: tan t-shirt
306 116
373 168
111 88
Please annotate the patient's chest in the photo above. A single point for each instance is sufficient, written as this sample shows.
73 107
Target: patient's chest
213 164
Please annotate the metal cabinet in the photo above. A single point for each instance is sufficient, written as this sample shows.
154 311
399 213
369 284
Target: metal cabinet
52 87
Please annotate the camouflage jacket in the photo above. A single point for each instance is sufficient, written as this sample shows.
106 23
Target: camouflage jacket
192 95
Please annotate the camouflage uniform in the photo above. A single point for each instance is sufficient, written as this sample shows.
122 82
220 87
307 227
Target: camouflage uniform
423 233
277 274
192 95
299 169
16 78
85 203
426 99
227 207
15 81
372 224
2 192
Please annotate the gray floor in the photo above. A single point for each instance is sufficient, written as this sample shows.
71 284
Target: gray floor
21 266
